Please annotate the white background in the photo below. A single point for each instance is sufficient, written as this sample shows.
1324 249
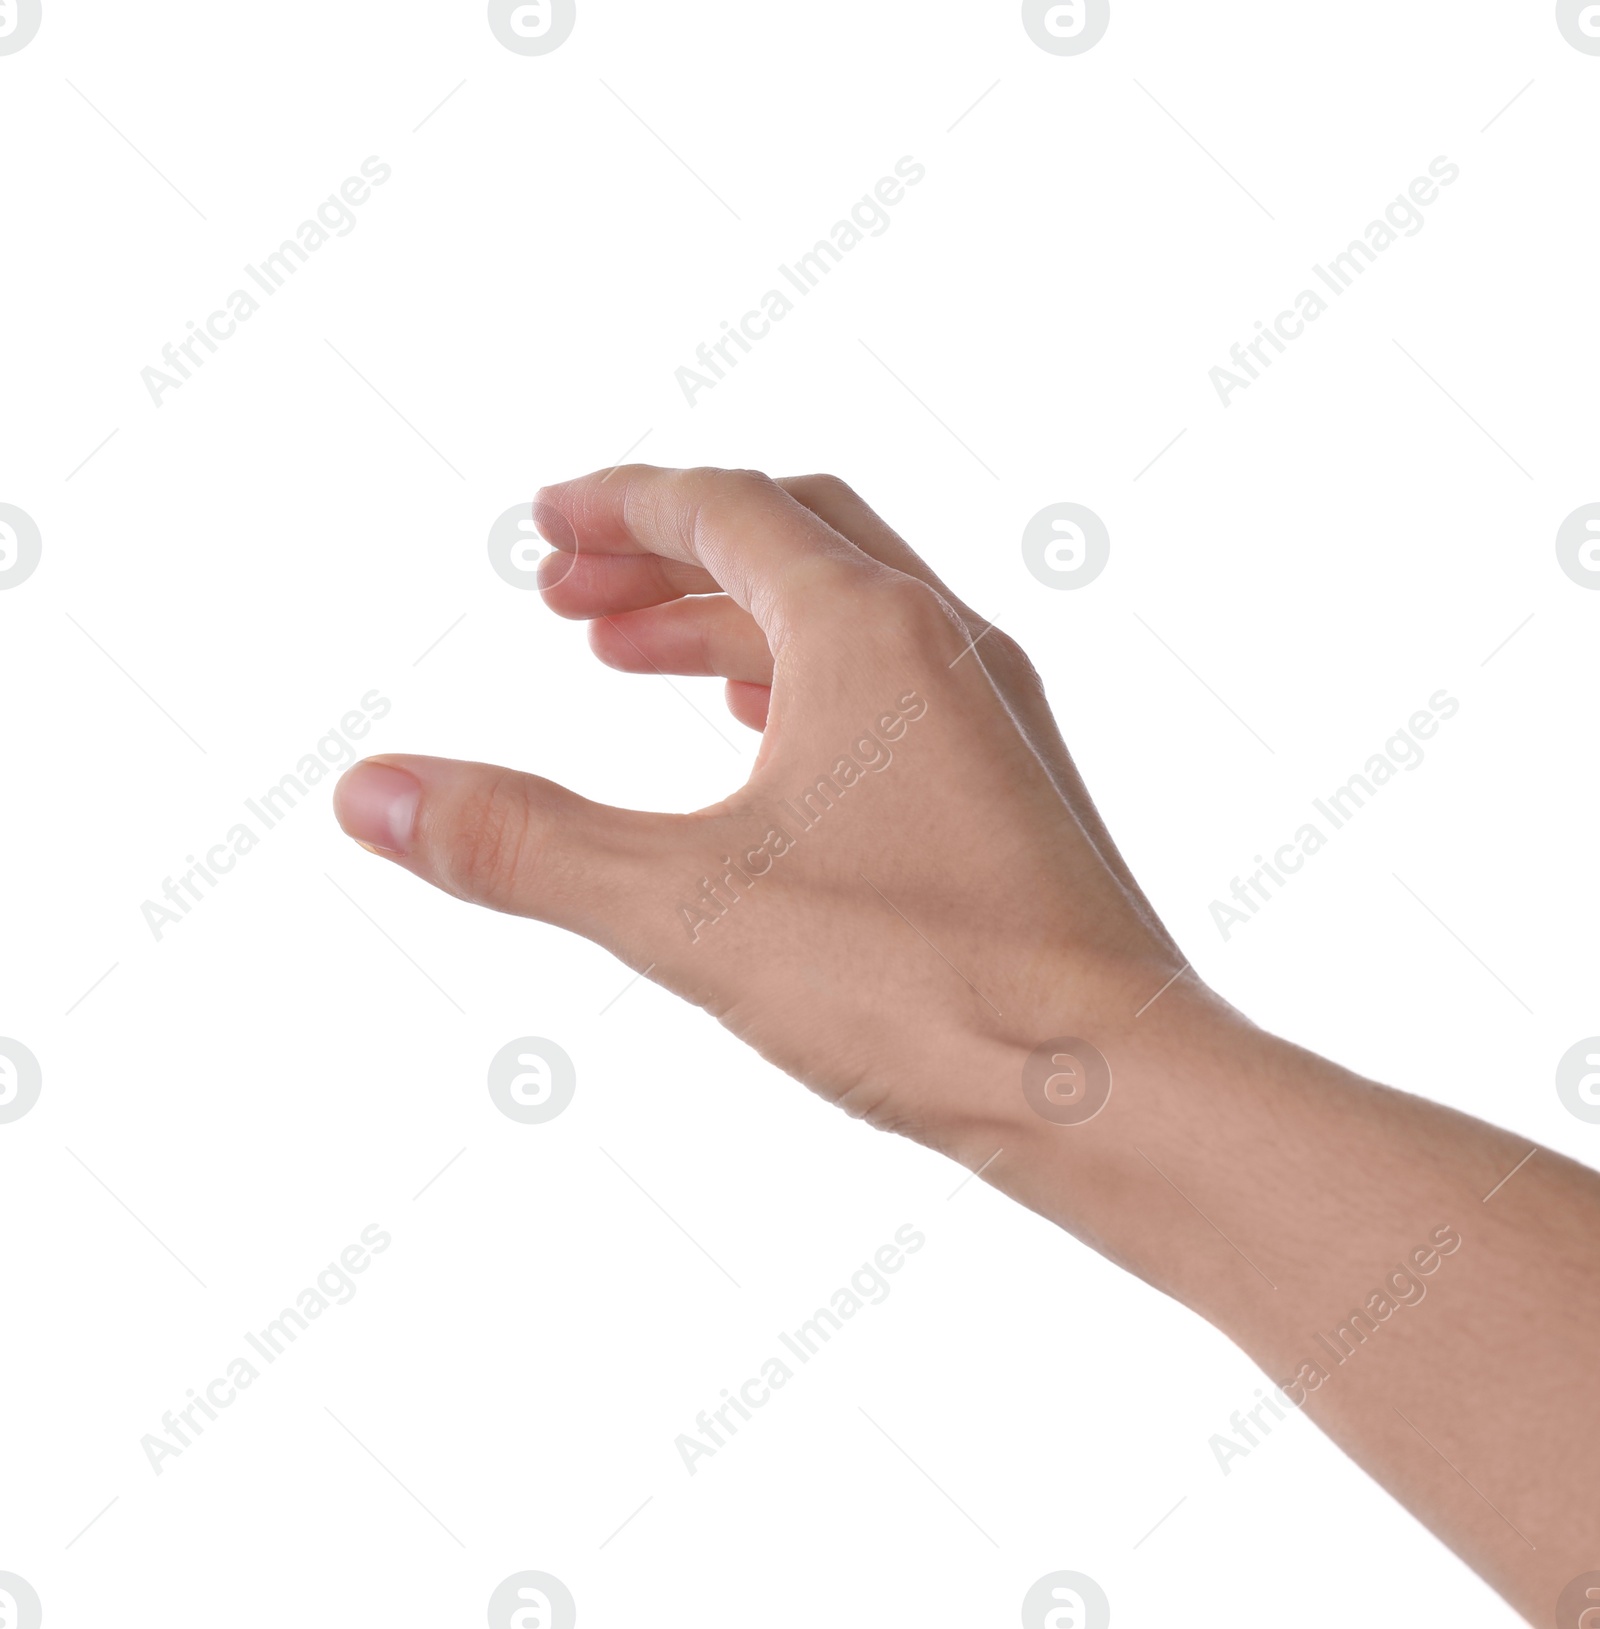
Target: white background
230 1106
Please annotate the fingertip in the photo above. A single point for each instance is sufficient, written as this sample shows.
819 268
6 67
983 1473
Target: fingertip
611 646
552 571
552 522
749 703
376 803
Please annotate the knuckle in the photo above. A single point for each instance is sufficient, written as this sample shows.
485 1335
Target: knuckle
733 500
904 610
707 481
822 488
1000 647
1001 651
709 497
489 842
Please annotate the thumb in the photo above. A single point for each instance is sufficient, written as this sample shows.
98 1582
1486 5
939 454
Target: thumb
507 840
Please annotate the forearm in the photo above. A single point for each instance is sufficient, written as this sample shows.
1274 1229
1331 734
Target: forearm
1365 1247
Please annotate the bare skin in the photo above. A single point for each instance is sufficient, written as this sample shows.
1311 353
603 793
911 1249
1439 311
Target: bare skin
905 939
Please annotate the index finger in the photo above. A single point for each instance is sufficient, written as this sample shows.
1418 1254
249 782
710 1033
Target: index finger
771 554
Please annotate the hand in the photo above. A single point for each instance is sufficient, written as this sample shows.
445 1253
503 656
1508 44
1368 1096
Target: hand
912 889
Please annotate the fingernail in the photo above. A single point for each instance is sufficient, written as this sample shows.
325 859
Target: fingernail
377 805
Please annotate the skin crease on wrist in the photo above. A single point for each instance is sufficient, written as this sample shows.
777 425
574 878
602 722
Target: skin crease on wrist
913 892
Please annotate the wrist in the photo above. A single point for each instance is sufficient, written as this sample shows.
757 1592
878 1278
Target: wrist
1111 1116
